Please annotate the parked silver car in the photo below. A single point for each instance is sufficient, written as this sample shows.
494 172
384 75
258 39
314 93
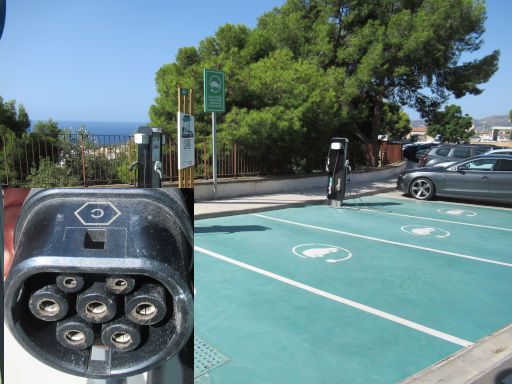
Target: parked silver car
500 151
486 177
451 152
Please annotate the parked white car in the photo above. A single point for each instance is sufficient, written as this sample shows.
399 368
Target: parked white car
504 151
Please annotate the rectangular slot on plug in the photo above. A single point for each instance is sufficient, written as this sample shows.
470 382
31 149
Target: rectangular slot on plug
99 353
95 239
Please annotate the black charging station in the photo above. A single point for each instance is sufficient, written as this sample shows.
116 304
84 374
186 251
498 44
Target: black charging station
337 168
2 17
102 279
149 141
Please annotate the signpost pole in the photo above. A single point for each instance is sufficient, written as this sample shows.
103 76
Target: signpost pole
214 153
214 101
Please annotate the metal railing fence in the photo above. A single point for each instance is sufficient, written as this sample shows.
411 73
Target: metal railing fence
88 160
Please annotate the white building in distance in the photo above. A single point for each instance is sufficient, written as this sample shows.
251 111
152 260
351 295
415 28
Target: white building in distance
501 133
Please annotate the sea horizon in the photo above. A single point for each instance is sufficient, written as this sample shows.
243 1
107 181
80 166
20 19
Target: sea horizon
121 128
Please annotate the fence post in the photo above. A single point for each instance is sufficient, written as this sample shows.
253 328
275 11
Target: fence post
83 161
130 160
19 158
234 160
26 159
170 159
5 160
383 154
205 174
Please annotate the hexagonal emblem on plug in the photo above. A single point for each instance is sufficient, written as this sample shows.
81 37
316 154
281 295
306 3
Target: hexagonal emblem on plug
97 213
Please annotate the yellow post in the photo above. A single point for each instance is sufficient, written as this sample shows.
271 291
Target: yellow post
179 97
191 110
186 175
180 171
191 102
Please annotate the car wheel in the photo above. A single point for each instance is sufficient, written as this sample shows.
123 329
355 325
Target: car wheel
422 189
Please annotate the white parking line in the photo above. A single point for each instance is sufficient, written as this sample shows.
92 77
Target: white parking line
410 199
438 220
388 241
339 299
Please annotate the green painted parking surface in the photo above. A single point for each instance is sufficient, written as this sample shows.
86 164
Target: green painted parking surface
275 332
434 289
441 210
478 242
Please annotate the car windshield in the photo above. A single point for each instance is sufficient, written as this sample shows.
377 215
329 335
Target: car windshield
479 151
441 151
461 153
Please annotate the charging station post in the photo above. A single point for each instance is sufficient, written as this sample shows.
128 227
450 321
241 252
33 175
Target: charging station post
2 16
149 141
337 167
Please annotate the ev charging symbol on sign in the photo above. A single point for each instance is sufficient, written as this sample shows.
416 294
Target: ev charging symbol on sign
334 253
214 93
215 84
97 213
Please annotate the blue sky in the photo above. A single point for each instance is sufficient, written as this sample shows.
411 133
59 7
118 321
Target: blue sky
96 60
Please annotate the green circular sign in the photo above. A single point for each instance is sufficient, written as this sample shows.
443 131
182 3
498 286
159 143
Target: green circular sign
215 84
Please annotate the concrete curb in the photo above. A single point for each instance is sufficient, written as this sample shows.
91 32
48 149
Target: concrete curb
257 186
487 361
315 201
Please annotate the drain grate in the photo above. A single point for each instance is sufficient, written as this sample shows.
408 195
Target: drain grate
206 358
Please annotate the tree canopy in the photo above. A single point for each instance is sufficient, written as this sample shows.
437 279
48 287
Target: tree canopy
312 69
396 123
12 118
49 129
49 156
451 124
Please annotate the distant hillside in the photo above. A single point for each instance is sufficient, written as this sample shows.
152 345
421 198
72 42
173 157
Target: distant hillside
491 121
480 124
418 123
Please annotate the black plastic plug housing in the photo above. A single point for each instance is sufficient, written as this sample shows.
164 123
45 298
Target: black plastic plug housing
119 262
